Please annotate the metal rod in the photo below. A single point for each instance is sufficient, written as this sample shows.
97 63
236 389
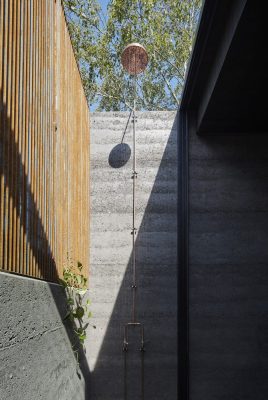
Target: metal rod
134 65
126 327
125 376
134 176
142 376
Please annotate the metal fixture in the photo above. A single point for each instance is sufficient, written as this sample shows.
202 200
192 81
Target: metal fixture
134 60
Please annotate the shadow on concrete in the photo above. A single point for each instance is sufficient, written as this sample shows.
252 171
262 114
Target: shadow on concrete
18 188
228 274
119 155
117 377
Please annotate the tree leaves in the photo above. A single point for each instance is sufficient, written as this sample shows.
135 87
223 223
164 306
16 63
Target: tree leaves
75 285
166 28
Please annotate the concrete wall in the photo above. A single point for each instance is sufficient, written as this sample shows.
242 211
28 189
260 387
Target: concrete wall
111 249
228 270
36 357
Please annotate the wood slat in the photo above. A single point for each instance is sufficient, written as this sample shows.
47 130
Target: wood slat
44 154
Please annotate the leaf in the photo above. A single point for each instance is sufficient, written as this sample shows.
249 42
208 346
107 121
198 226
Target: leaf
71 317
67 316
81 291
165 27
62 283
70 301
80 312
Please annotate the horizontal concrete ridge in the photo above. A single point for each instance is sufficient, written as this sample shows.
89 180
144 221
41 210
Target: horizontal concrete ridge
146 120
36 355
111 254
159 115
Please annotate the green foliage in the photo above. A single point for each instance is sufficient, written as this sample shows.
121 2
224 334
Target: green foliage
84 22
77 309
166 28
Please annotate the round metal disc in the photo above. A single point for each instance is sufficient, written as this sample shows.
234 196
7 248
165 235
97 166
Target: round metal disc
134 58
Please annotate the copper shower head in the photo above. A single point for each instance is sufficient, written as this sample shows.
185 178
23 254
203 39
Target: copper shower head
134 58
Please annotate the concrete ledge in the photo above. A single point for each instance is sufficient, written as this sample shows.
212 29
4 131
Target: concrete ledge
36 356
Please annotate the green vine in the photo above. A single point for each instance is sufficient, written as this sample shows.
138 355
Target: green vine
75 286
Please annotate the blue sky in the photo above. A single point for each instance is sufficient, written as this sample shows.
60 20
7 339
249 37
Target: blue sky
103 4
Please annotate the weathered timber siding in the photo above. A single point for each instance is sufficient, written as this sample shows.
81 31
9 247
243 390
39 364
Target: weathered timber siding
44 154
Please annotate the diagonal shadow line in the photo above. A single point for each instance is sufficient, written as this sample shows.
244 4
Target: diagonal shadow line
41 250
110 360
19 189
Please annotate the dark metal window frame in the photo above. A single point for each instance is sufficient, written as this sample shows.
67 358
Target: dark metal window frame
214 35
183 235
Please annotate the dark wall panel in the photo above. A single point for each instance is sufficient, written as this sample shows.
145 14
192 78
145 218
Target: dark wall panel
228 267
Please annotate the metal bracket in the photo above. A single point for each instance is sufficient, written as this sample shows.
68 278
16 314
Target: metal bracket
127 326
125 346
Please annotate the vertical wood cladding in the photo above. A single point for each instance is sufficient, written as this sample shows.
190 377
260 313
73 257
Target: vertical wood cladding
44 154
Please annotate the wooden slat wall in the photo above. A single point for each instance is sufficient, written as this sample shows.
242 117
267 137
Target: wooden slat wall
44 153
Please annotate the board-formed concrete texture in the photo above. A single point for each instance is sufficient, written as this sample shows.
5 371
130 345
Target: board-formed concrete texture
36 356
228 271
111 250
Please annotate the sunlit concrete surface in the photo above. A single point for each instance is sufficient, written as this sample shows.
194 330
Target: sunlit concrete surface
111 252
